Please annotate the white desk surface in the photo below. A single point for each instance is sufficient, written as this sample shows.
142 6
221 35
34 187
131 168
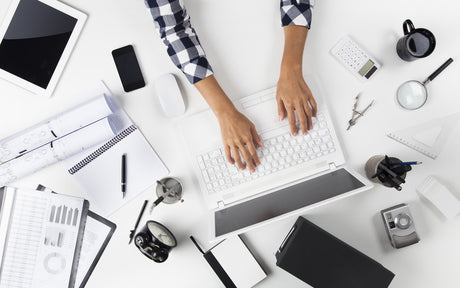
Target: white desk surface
244 41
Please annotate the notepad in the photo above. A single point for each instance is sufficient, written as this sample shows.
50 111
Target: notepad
99 170
233 263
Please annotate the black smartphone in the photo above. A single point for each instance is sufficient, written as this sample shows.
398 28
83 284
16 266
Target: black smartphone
128 68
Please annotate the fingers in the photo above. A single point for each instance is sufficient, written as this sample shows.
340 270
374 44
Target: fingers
292 121
247 157
303 119
308 111
314 106
311 99
256 137
228 155
281 109
236 156
246 150
303 104
253 153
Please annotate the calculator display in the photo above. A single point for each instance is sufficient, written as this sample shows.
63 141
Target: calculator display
366 67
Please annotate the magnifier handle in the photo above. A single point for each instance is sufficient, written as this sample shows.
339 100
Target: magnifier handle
439 70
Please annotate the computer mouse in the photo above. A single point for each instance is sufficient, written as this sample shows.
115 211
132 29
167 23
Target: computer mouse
170 96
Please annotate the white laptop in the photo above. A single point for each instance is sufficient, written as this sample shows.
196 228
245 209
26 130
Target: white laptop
296 173
36 39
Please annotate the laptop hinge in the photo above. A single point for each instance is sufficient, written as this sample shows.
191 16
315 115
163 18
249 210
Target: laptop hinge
220 204
332 166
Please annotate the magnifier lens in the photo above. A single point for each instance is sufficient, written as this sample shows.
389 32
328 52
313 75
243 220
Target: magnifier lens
411 95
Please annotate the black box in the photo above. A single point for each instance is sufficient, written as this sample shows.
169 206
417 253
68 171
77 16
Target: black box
323 261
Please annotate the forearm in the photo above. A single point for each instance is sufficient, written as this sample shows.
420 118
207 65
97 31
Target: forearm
216 98
294 44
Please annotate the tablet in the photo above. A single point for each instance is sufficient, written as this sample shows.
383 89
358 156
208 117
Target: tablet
37 37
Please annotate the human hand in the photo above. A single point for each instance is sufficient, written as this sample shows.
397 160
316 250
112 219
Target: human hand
240 139
294 97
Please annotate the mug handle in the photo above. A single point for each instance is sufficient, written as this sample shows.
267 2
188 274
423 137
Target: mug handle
407 24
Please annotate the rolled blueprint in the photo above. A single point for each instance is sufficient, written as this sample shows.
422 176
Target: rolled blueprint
56 127
60 149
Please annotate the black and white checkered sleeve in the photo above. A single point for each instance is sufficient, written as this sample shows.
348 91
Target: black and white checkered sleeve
296 12
173 24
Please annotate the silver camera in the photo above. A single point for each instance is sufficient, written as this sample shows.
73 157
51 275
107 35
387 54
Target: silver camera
399 226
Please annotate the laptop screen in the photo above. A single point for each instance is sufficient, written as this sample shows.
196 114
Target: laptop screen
284 201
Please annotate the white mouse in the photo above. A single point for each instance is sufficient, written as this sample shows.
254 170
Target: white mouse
170 96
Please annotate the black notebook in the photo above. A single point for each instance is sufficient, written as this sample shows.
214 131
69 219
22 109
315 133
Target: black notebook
323 261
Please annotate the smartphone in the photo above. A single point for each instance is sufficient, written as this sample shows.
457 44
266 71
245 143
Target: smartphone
128 68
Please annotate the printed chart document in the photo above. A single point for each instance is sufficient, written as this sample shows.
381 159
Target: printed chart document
40 236
98 232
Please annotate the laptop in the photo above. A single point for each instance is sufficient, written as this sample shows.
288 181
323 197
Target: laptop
297 173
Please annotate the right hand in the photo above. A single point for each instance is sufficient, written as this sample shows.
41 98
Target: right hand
240 139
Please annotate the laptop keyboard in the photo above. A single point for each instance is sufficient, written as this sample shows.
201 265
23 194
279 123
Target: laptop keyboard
279 152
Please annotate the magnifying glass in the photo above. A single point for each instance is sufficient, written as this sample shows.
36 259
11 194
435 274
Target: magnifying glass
412 94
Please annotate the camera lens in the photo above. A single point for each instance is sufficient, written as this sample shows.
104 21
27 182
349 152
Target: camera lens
402 221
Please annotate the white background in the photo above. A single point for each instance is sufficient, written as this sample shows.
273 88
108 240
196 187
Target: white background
243 41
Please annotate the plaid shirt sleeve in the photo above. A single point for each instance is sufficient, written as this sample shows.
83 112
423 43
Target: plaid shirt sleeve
173 24
296 12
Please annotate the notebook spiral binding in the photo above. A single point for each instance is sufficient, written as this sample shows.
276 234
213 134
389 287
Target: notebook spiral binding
102 149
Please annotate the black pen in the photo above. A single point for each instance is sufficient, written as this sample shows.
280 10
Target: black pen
132 232
123 174
391 173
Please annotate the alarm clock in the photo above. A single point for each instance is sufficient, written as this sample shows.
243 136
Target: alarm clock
155 241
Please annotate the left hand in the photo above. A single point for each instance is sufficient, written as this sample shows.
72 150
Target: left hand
294 96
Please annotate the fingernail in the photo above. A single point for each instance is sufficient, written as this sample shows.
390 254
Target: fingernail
295 133
261 144
252 170
304 132
281 118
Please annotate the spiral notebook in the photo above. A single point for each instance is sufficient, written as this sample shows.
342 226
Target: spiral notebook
99 170
427 138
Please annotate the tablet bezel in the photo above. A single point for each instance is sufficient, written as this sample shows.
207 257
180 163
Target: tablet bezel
64 8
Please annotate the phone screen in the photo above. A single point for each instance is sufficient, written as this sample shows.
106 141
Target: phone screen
128 68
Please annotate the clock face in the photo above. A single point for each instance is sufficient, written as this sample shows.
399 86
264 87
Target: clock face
161 233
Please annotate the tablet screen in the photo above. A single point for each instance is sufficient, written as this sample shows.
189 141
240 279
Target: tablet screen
34 41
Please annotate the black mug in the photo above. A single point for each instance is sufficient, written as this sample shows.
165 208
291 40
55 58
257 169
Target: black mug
416 43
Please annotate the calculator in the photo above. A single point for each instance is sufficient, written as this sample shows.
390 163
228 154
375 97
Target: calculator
354 58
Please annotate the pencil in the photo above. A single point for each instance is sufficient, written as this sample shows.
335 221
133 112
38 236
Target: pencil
406 163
